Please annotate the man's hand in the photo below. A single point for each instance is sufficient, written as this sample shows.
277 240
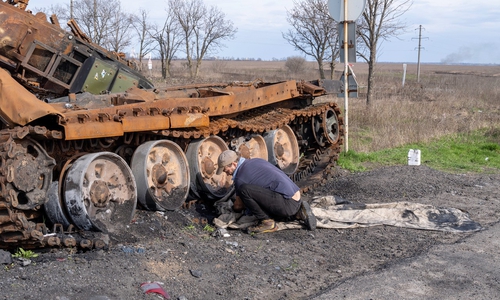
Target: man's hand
222 183
238 205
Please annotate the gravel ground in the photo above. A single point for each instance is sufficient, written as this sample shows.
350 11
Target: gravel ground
190 263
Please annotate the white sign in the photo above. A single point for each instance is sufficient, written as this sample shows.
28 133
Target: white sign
150 63
414 157
354 9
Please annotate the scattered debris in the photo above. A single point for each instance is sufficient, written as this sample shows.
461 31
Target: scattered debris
24 261
130 250
221 232
196 273
154 287
234 244
127 250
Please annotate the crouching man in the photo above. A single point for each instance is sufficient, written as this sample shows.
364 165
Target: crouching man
265 190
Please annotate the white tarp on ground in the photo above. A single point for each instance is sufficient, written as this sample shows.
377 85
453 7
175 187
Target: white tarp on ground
330 214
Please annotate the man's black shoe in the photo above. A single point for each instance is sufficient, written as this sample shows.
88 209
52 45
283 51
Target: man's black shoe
305 214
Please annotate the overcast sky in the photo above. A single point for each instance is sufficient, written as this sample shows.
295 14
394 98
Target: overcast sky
454 31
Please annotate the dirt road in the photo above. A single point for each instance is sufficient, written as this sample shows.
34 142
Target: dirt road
467 269
378 262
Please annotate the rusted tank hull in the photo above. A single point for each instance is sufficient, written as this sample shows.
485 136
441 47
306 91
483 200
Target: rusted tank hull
76 159
232 115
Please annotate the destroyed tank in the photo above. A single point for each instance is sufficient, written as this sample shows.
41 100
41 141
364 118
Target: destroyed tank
85 139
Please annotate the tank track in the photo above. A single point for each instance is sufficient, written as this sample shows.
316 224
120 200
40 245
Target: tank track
20 225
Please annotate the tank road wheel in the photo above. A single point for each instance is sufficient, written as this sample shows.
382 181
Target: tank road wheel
161 173
28 173
54 208
254 147
100 192
283 149
202 156
326 128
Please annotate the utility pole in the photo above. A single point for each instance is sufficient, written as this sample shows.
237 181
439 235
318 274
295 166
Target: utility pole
71 10
346 80
419 48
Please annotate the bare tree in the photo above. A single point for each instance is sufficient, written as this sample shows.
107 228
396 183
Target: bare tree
104 22
380 20
119 36
90 21
168 38
61 12
295 64
314 32
189 14
144 37
203 30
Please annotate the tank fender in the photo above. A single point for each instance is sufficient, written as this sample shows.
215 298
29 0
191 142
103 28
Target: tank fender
17 105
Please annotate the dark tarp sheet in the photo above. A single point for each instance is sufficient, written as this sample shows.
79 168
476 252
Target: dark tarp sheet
335 214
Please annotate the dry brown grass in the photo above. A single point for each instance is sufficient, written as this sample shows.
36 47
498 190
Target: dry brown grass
225 71
448 99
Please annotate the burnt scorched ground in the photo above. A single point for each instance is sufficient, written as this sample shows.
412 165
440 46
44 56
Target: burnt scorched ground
292 264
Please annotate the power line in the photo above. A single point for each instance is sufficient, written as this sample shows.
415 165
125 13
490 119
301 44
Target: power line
419 48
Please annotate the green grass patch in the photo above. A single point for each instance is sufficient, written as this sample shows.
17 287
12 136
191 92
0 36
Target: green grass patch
189 227
476 152
26 254
209 228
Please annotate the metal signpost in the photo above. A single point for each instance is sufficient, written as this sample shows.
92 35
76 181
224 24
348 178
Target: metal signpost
339 12
150 65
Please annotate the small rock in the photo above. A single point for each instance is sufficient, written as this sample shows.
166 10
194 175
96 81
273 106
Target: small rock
25 262
196 273
221 232
234 244
127 250
5 257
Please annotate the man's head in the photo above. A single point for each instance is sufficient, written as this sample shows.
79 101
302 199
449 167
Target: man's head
225 161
